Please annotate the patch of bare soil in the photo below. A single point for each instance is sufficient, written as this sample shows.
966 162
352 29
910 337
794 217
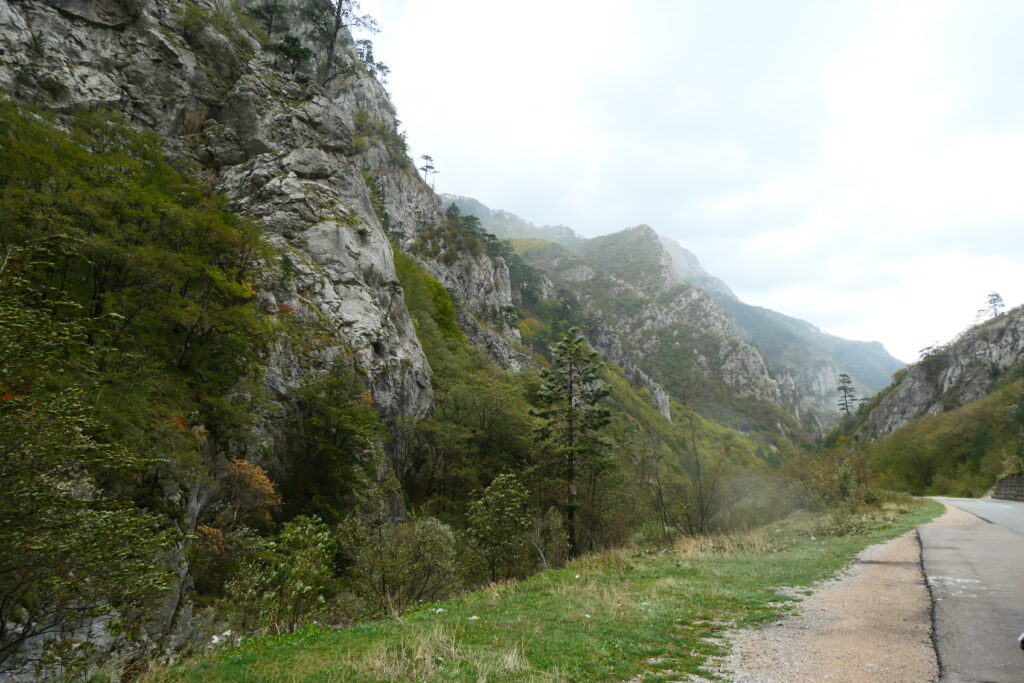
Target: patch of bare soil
873 623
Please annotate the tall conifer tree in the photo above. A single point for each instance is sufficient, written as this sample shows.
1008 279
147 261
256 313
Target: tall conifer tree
570 399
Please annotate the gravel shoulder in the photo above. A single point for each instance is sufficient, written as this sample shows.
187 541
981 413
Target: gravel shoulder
871 623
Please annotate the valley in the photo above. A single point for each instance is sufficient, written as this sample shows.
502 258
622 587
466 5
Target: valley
273 408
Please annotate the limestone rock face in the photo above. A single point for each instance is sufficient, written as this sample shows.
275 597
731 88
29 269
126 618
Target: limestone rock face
952 375
482 288
285 150
322 167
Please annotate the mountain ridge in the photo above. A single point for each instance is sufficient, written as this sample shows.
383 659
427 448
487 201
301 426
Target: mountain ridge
802 360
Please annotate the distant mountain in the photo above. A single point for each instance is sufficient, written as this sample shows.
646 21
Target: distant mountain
800 359
508 225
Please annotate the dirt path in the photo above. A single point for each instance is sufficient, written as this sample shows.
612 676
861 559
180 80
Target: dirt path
873 623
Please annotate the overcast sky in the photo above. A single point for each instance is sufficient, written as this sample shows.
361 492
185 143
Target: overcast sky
856 164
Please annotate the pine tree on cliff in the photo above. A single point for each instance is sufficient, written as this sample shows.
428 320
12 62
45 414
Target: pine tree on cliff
994 305
329 18
272 15
570 398
847 397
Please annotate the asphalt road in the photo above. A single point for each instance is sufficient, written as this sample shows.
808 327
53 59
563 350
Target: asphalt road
974 565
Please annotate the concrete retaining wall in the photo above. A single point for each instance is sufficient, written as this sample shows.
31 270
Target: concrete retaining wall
1010 488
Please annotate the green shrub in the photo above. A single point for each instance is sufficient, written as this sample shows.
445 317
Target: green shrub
396 565
498 521
283 582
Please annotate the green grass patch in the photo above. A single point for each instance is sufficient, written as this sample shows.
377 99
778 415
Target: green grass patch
605 617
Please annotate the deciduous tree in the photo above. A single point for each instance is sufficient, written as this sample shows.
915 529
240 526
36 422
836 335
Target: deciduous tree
329 18
498 521
272 15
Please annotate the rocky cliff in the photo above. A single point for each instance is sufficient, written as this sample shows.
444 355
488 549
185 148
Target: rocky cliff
320 163
641 318
322 166
952 375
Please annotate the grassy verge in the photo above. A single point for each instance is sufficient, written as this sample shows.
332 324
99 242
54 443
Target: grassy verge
606 617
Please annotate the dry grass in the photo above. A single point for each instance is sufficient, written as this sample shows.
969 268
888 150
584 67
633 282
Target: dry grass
756 541
435 655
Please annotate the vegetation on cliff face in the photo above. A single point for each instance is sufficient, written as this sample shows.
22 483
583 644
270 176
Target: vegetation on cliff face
128 313
135 375
962 452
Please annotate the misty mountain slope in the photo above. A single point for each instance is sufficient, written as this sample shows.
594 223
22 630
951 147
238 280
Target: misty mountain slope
791 345
803 360
790 342
674 332
508 225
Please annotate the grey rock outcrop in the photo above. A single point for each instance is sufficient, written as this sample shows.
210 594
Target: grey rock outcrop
284 149
952 375
323 168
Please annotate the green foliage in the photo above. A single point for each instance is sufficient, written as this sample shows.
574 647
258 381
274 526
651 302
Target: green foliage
847 395
481 423
121 232
394 565
432 309
391 138
374 186
497 523
130 291
282 582
292 50
273 16
622 615
328 19
331 439
379 70
573 419
74 545
833 478
961 452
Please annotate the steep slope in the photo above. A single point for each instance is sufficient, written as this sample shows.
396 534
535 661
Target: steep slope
673 332
322 166
324 170
793 346
801 359
952 375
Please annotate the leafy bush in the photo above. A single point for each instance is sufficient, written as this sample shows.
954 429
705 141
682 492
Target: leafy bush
331 438
74 545
283 582
497 523
395 565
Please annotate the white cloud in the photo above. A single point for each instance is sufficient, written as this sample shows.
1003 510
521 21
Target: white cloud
857 163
